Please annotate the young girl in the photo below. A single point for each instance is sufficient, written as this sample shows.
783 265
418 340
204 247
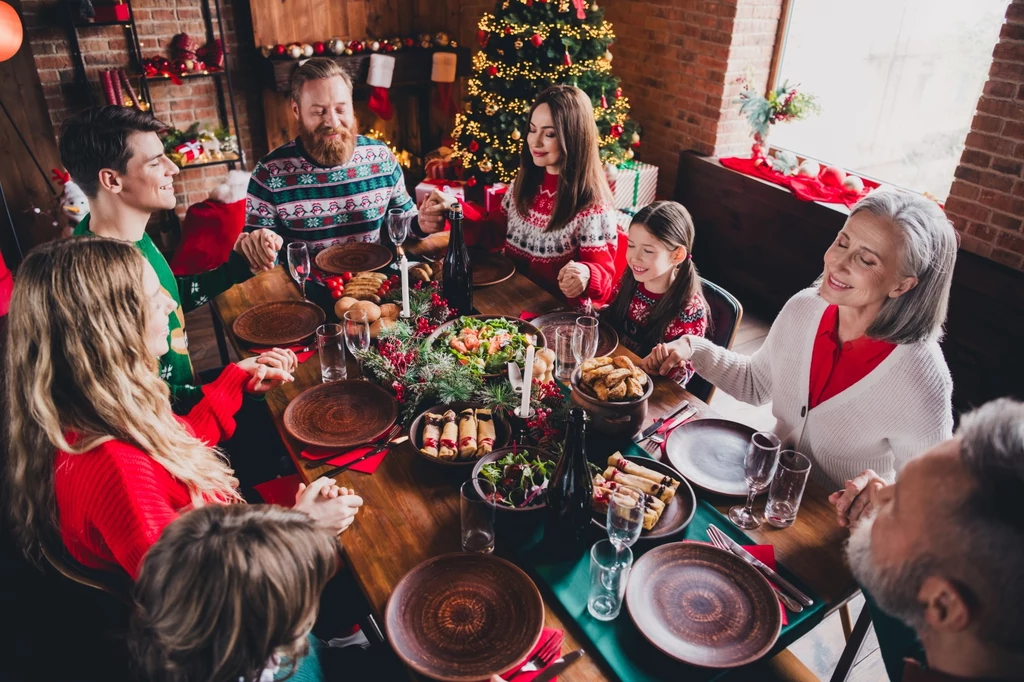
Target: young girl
97 458
558 213
230 594
660 297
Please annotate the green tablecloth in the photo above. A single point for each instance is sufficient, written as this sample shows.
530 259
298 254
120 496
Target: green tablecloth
622 647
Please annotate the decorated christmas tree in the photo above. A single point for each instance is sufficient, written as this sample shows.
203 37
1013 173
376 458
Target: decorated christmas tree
527 46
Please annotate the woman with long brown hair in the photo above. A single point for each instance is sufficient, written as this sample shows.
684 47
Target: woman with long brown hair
558 214
97 458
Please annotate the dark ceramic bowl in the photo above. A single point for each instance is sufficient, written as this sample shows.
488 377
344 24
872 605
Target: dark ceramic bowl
498 454
678 512
614 417
502 432
524 327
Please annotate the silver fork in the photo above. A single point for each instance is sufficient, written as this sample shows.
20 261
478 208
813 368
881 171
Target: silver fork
720 543
548 652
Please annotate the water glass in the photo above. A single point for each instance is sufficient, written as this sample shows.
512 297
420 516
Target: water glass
477 501
759 468
625 518
330 342
584 340
565 360
398 225
609 572
787 489
298 264
357 333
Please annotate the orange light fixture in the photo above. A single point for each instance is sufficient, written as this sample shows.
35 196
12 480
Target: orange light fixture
11 32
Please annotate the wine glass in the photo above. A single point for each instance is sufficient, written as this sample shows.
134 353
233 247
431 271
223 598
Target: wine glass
398 227
584 338
298 264
759 468
625 518
357 334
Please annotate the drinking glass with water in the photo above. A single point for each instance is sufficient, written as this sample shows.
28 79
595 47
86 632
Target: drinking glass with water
609 572
787 489
477 507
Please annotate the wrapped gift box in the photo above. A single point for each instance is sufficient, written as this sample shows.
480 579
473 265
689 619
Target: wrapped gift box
493 196
634 185
456 188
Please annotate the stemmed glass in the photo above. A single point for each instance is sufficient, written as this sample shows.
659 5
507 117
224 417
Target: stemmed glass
625 519
357 334
398 227
298 264
759 468
584 338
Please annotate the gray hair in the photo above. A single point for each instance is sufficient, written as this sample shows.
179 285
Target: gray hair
928 253
989 540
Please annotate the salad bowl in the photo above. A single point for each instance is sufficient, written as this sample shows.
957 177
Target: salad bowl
512 481
509 335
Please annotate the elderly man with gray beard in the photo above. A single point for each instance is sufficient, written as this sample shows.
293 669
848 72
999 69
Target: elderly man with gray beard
942 549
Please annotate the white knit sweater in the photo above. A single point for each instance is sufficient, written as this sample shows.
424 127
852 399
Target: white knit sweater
896 412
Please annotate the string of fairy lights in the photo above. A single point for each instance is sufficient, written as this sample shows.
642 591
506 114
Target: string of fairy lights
492 24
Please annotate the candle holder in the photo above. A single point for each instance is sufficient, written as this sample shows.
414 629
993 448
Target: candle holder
519 431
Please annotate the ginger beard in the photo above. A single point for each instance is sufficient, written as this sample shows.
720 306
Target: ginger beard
330 146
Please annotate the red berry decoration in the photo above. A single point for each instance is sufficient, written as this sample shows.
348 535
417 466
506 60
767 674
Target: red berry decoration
279 50
492 70
474 146
481 38
318 48
616 131
537 40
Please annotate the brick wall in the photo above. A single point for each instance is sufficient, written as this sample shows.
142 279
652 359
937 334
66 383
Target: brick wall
986 201
158 21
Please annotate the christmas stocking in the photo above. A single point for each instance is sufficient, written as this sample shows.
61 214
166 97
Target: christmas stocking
443 74
382 69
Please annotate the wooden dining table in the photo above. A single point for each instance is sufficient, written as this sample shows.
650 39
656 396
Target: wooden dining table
411 509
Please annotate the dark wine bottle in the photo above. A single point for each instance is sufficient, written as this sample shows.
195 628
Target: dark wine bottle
569 494
457 273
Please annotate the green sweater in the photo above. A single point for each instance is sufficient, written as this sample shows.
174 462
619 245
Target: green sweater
189 292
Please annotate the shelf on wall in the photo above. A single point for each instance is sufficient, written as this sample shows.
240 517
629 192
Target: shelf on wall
187 76
222 162
95 24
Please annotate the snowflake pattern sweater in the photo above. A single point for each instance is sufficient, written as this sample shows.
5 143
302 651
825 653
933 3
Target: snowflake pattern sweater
692 319
591 237
114 500
290 194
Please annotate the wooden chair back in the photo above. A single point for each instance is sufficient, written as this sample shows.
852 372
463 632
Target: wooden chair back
724 315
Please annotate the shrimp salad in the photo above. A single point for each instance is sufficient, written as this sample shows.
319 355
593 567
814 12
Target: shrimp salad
487 345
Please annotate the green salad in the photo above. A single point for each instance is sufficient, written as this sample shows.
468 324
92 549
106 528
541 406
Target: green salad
486 345
519 479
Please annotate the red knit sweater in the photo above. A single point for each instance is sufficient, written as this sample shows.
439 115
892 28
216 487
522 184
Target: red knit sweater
115 500
591 237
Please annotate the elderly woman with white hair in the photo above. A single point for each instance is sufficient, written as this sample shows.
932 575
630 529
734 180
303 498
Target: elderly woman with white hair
852 366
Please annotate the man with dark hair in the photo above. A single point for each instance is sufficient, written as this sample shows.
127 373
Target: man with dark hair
117 158
942 549
330 185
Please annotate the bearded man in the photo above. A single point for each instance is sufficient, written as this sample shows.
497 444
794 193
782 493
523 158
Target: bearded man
330 185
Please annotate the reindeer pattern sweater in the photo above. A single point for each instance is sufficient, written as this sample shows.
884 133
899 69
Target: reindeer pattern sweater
114 501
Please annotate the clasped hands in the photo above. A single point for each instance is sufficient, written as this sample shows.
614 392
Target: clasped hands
665 358
269 370
332 506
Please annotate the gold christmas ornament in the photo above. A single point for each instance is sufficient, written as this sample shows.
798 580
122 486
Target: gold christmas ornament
486 166
635 138
468 106
491 109
593 8
516 134
453 44
442 39
630 154
519 44
608 56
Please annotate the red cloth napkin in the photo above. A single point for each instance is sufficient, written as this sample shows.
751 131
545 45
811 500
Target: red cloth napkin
333 458
280 490
766 555
525 316
302 357
526 677
805 188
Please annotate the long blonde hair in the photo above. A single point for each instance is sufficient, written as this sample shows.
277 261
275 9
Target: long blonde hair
77 362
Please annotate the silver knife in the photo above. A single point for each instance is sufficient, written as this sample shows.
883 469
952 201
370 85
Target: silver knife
760 565
659 421
559 666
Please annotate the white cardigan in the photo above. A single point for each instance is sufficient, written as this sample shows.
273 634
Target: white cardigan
900 409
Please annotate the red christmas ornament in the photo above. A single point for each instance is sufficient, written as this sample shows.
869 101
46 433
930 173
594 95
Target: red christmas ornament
537 40
279 50
355 46
636 144
604 101
408 42
474 146
508 30
832 176
616 131
471 182
618 93
567 60
481 38
492 70
529 3
388 47
318 48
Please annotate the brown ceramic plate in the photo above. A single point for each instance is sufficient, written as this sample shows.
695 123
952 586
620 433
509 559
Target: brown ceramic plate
340 414
524 327
678 512
279 323
464 617
607 337
502 432
490 268
353 257
702 605
710 453
498 454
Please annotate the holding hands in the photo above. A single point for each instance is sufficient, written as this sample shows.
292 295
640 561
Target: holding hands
269 370
666 357
431 211
331 506
259 248
857 499
573 279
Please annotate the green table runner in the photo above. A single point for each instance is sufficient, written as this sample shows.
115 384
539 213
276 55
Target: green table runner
624 649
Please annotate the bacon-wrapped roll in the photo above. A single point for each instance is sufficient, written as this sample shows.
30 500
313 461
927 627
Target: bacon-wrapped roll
449 436
484 432
431 434
467 433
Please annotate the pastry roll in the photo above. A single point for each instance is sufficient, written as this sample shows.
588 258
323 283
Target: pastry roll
659 490
467 433
484 432
601 500
634 469
449 436
431 434
652 502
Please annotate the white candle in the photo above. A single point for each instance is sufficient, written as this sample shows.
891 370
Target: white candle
524 407
405 287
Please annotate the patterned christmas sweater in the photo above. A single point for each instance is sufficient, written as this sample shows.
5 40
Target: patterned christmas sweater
692 319
591 237
189 292
290 194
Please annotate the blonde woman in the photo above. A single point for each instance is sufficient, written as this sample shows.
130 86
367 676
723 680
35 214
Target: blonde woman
97 457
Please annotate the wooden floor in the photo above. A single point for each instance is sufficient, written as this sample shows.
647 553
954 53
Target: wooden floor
819 650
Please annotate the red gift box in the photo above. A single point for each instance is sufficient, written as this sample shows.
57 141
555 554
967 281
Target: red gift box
106 13
493 196
190 151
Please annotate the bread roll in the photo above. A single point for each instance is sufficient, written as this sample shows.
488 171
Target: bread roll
371 309
343 304
390 311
